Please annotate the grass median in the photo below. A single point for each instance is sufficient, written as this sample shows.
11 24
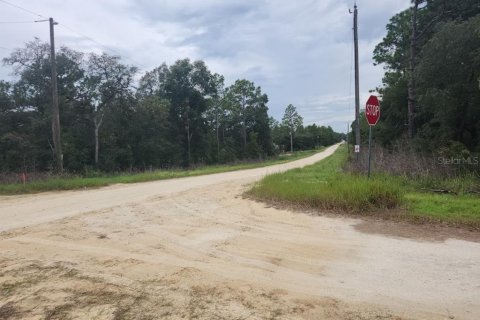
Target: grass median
324 186
78 182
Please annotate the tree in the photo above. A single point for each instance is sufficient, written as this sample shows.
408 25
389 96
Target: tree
393 50
240 96
188 86
152 126
393 53
33 99
292 120
149 134
107 85
153 82
449 100
411 69
216 113
259 122
401 51
247 110
178 115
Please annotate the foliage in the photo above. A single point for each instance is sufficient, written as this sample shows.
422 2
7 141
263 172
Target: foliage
308 137
293 121
111 121
446 76
450 99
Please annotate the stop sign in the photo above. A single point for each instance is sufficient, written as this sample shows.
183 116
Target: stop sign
372 110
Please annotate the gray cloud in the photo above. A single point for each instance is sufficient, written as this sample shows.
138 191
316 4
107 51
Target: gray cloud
299 52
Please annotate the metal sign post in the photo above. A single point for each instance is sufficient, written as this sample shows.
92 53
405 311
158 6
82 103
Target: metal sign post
369 148
372 113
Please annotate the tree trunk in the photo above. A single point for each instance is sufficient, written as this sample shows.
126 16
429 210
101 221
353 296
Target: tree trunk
244 134
218 136
244 126
97 125
291 141
188 140
411 77
96 145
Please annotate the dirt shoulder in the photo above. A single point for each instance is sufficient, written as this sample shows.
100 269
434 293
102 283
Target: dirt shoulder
393 223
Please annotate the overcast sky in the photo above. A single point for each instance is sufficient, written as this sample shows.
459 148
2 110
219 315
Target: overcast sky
299 52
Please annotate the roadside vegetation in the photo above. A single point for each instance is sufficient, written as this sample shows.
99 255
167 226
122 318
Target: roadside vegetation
99 179
327 186
178 115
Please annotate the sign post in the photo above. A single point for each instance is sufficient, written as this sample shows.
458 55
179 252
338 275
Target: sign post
372 113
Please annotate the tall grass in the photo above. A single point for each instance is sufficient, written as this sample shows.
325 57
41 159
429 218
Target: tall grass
324 186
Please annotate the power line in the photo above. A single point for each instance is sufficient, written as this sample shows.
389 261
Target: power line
82 35
23 9
100 44
70 29
15 22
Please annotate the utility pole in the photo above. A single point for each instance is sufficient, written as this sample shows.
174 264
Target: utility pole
57 142
357 85
411 73
56 137
348 142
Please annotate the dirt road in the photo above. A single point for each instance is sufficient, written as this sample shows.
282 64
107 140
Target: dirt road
193 248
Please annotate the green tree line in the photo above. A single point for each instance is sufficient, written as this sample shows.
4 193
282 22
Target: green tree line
290 134
111 120
431 88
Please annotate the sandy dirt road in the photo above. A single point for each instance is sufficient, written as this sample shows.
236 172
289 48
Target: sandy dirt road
193 248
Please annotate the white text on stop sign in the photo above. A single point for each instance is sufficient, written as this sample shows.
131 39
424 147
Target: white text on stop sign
372 110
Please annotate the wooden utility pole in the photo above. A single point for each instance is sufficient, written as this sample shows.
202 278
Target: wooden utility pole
57 142
411 73
357 85
348 133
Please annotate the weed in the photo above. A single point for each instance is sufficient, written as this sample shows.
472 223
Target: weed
72 182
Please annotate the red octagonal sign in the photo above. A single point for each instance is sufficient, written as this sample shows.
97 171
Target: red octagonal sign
372 110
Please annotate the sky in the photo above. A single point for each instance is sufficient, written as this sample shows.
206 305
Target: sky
299 52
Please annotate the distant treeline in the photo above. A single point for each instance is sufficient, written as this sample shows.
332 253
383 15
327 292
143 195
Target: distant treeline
431 88
178 115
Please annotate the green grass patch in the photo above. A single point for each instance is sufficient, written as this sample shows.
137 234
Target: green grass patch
325 186
450 209
72 183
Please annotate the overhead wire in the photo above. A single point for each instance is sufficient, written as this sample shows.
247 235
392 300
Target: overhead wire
104 47
23 9
16 22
